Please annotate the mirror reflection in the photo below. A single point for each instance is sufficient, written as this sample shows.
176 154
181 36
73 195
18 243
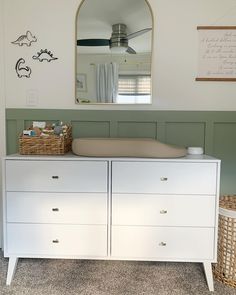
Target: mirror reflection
114 41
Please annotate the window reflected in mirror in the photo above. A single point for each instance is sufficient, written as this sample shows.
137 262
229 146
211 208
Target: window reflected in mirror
114 42
134 88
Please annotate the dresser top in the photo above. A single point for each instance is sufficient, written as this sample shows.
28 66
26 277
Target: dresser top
73 157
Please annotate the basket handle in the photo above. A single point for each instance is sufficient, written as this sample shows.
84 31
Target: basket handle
227 213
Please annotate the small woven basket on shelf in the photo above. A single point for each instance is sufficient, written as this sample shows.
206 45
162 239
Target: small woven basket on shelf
225 269
50 145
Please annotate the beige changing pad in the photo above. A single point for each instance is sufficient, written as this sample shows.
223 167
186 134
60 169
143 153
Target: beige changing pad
125 147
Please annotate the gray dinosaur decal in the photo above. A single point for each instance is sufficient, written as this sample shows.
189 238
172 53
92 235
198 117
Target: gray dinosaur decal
26 39
22 71
44 55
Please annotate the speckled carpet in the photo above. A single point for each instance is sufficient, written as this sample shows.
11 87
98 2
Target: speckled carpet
89 277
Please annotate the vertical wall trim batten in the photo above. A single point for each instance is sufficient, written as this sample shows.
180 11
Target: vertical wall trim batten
209 136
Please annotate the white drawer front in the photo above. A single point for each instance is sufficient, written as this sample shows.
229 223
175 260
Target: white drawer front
170 243
51 239
74 208
56 176
164 177
169 210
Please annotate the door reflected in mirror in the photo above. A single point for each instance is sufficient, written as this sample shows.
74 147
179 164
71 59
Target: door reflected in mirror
114 42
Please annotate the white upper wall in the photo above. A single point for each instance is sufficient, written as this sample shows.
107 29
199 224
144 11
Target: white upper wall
2 92
174 62
2 115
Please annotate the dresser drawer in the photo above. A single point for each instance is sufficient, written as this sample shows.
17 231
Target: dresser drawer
74 208
169 210
164 177
52 239
169 243
56 176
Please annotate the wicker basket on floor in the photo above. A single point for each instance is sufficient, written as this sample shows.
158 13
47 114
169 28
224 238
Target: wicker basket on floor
50 145
225 269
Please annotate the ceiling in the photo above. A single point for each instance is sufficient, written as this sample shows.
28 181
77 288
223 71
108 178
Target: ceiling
96 17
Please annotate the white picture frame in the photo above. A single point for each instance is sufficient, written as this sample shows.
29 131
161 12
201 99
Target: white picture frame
81 82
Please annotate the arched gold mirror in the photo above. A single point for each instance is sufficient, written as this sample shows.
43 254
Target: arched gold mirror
114 42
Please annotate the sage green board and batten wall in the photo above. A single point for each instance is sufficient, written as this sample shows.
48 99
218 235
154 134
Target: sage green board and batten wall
214 131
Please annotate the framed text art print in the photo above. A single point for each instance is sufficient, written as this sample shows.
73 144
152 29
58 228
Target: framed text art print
217 53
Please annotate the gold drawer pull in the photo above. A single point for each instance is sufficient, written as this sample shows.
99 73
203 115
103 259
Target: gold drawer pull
163 211
55 209
55 241
55 177
162 244
163 178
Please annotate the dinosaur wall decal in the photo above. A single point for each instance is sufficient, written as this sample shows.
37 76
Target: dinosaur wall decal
44 55
22 71
26 39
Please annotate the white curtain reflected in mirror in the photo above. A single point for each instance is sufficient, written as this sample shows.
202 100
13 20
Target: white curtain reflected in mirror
114 41
107 79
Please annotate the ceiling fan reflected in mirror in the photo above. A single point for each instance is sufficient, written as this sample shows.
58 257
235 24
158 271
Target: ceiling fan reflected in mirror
118 42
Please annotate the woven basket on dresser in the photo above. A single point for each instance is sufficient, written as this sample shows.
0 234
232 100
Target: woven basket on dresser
50 145
225 269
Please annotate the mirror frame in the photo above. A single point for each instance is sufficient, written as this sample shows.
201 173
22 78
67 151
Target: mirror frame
151 66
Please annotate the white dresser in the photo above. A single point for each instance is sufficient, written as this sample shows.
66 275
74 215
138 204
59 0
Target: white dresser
111 208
